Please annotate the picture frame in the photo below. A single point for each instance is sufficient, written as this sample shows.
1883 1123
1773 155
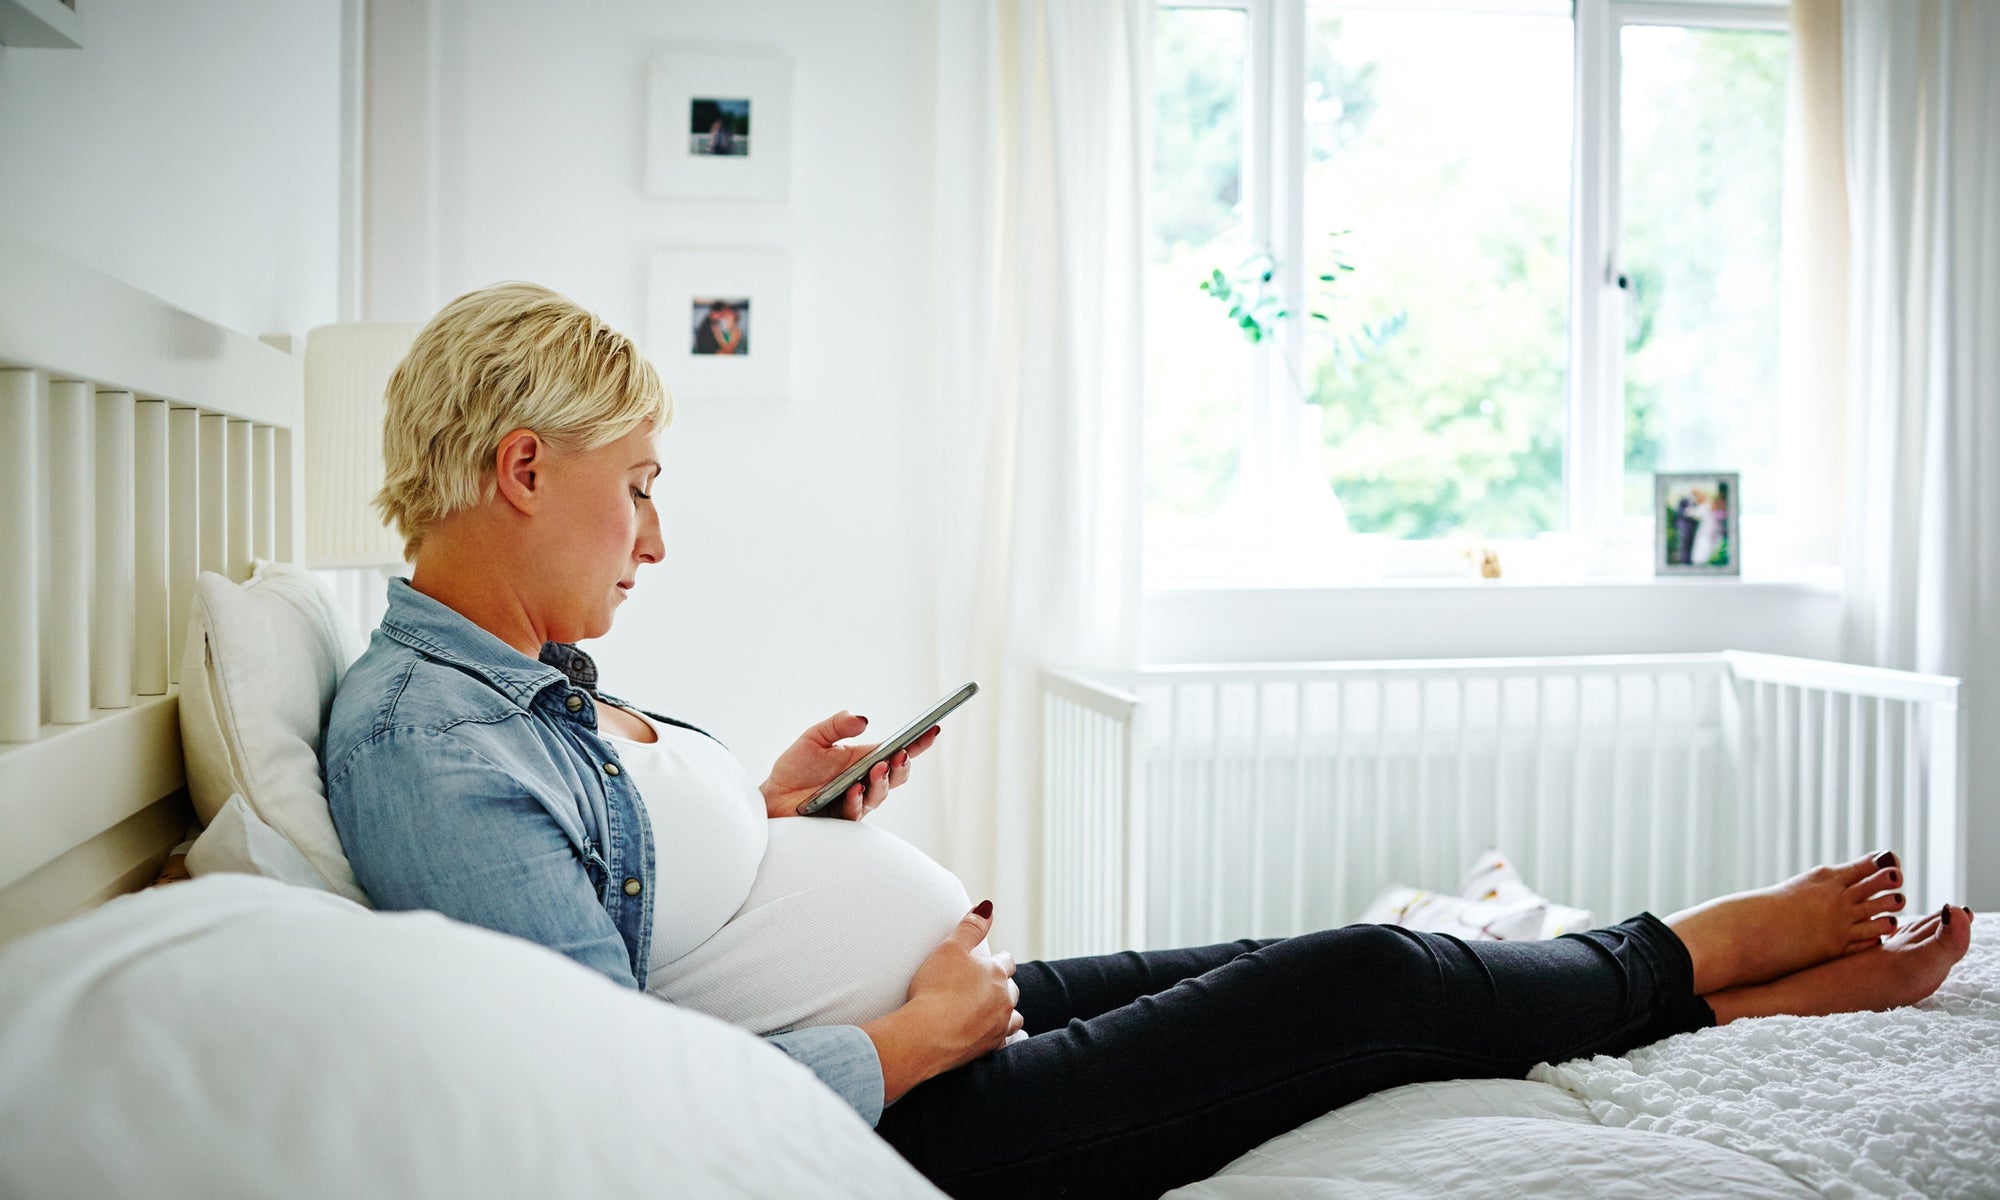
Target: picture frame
719 324
718 127
1697 526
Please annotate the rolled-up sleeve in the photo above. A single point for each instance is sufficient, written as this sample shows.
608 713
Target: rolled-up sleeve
844 1058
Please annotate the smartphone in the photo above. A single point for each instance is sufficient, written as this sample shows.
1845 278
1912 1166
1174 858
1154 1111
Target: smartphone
823 800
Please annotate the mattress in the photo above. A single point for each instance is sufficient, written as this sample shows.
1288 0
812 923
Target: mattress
1862 1104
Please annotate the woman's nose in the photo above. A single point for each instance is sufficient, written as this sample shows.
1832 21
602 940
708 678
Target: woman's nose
651 546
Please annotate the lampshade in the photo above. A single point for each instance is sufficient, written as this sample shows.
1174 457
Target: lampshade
347 371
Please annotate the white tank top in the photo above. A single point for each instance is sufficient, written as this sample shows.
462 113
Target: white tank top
777 925
709 833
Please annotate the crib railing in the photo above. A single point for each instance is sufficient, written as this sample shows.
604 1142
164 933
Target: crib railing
1190 804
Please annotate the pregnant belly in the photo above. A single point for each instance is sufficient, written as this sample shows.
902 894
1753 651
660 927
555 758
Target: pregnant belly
839 919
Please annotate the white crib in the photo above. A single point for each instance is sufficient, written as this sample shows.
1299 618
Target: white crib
1189 804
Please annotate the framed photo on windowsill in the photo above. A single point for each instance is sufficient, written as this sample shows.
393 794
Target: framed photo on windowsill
1697 528
719 325
718 126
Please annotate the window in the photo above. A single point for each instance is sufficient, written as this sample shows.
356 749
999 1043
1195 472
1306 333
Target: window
1483 267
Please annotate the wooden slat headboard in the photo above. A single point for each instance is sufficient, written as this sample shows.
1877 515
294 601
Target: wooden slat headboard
139 445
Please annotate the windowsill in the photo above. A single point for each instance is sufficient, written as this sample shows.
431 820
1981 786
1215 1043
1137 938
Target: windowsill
1816 579
1781 612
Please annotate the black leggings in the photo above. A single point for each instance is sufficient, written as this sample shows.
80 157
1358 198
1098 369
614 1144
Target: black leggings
1151 1069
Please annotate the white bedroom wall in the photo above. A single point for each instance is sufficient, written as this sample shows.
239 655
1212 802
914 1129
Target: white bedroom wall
191 149
506 142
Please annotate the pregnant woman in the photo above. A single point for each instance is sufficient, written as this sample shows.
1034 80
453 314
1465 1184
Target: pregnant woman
474 767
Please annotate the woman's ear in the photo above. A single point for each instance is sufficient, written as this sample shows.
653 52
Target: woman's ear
520 464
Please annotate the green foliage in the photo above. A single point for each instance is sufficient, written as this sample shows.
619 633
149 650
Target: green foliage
1249 295
1702 202
1198 126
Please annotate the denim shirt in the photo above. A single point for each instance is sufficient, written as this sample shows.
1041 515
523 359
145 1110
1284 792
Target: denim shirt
467 778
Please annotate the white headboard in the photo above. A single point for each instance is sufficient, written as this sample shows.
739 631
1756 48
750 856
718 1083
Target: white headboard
139 445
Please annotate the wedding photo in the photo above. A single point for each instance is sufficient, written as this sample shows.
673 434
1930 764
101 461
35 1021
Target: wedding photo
1696 530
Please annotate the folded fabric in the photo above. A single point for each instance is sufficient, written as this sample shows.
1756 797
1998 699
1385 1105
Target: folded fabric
1492 904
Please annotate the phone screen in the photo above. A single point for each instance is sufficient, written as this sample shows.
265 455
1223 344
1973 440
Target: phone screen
823 800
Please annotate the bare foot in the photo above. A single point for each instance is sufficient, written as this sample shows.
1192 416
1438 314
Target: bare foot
1902 970
1758 936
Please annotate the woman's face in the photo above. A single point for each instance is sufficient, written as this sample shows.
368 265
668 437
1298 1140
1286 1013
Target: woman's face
602 527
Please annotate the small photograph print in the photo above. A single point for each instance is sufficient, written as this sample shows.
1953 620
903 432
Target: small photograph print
719 128
1697 530
721 325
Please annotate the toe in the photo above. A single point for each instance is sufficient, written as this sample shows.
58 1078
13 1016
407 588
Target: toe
1877 928
1956 932
1861 868
1875 883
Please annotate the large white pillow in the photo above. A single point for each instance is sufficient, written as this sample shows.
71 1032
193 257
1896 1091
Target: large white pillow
263 660
234 1036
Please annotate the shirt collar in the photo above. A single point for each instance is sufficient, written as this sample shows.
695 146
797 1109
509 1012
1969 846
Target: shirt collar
436 629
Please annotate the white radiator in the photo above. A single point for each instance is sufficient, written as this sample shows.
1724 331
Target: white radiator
1185 805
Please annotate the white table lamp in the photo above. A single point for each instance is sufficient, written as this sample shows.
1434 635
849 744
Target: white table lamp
347 371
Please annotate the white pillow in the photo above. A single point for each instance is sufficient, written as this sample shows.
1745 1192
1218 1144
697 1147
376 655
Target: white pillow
232 1036
263 660
237 842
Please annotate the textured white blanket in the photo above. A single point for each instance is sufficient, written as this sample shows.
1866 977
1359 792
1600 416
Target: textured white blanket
1863 1104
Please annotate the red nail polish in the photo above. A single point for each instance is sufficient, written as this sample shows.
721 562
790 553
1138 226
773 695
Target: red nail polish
1895 878
1885 859
984 908
1947 914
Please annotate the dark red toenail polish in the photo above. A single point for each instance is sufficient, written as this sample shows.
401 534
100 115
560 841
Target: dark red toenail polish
1885 859
1895 878
1947 914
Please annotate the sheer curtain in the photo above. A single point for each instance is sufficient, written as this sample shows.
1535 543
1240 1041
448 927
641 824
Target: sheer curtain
1039 253
1922 558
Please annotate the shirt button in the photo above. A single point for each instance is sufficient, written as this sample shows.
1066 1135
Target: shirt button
610 768
632 887
574 703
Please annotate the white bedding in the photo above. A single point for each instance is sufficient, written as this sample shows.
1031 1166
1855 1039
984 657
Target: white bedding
1867 1104
1861 1104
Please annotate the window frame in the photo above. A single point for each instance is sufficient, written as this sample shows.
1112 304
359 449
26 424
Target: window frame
1603 541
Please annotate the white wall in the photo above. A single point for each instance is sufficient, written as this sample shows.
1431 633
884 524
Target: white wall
794 583
190 149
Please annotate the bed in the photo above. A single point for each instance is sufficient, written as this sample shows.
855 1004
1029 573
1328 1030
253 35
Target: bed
259 1030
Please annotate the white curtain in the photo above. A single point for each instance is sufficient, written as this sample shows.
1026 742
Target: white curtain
1042 107
1922 559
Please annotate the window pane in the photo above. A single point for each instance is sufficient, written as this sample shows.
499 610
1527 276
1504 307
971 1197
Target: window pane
1198 366
1437 168
1702 144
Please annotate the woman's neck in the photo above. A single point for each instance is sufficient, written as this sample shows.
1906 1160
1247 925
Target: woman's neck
474 584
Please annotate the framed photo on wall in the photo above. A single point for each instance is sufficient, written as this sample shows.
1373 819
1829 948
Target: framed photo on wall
718 126
719 325
1696 523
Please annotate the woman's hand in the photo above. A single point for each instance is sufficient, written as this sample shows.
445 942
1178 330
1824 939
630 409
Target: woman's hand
806 766
961 1006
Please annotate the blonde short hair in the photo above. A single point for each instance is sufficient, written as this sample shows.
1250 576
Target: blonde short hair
511 356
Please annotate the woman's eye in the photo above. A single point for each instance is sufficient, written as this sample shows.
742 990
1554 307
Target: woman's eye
639 495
